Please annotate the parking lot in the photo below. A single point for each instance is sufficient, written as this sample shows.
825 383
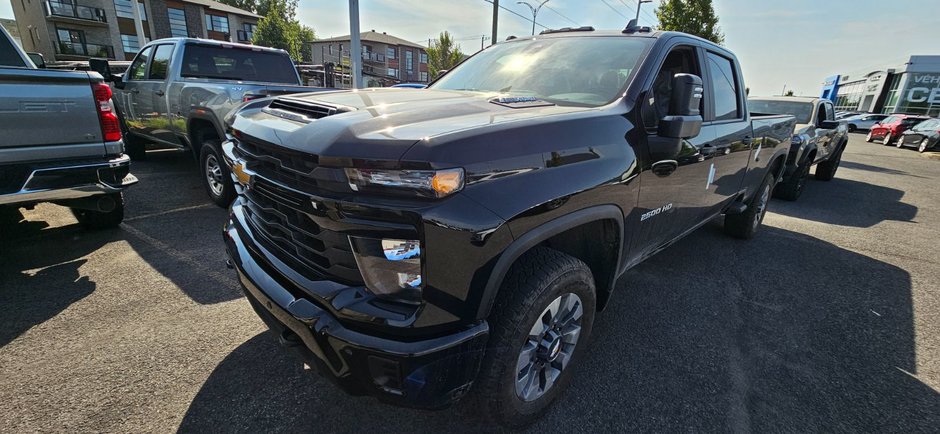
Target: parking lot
828 321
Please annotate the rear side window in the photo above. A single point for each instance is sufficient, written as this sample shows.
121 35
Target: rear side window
229 63
138 69
160 63
8 54
724 87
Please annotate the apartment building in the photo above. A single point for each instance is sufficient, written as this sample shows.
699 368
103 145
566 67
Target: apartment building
386 59
81 29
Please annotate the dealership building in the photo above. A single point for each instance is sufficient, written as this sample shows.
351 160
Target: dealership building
912 87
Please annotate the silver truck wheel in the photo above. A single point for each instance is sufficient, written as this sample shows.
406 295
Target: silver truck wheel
213 172
549 347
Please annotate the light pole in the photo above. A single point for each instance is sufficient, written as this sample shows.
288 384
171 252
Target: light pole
639 4
355 49
535 11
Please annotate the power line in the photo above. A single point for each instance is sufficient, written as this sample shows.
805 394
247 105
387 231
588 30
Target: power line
518 14
614 9
632 10
561 15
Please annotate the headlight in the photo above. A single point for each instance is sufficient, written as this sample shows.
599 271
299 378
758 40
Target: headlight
797 140
390 268
425 183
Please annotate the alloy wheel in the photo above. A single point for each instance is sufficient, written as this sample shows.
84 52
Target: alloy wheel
923 145
214 175
886 140
762 206
548 349
868 138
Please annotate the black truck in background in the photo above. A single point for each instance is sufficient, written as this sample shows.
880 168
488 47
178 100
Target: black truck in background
419 245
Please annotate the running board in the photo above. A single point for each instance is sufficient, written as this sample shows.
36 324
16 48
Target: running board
736 208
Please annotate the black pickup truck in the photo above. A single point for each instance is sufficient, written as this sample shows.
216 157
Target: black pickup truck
417 245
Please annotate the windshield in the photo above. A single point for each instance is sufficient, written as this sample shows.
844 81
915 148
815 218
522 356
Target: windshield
229 63
802 111
583 71
891 120
928 125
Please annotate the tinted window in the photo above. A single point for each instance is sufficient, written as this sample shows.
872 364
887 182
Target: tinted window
564 71
8 54
724 88
830 113
160 62
802 111
138 69
210 61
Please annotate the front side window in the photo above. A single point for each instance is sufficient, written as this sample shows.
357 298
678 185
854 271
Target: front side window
583 71
681 60
160 63
217 23
724 87
178 27
138 69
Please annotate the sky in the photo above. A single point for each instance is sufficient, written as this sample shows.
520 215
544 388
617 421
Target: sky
796 43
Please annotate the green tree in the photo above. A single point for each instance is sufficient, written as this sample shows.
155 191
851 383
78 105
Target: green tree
443 54
695 17
305 35
277 30
789 93
263 7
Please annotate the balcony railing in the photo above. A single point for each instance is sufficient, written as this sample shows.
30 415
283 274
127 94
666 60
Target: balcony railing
57 9
86 50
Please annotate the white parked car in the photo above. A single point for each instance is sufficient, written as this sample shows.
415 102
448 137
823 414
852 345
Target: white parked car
863 122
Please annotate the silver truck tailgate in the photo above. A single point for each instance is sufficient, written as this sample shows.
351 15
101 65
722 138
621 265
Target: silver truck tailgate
47 108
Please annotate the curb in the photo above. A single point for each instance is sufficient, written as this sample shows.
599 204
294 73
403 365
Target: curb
931 155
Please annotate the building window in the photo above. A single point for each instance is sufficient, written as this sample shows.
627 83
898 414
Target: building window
130 43
247 33
215 23
424 77
390 52
123 9
423 58
393 72
409 61
177 22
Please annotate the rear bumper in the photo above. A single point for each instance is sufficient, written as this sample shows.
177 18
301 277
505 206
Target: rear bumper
53 181
430 373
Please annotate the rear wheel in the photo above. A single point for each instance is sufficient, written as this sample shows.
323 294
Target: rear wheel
886 140
135 147
539 329
852 128
924 144
746 224
215 174
900 142
869 138
102 219
826 170
792 187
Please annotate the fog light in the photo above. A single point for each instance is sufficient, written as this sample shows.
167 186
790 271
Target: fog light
391 268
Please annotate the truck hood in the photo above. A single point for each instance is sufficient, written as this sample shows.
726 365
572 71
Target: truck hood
381 124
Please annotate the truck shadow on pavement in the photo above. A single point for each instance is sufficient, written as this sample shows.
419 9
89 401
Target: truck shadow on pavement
845 202
39 278
861 166
712 335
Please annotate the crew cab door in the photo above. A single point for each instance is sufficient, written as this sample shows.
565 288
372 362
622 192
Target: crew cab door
671 205
160 127
725 114
134 107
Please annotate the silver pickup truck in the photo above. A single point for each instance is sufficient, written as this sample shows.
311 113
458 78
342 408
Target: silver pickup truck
178 91
60 141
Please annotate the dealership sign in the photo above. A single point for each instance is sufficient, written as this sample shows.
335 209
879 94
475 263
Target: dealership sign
923 88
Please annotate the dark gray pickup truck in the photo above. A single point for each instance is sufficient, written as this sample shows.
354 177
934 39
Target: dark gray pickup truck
177 92
60 142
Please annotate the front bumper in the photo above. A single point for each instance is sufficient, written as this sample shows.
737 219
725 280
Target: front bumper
64 180
431 373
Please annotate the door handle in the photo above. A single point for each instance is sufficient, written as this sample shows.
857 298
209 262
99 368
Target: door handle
748 140
135 90
159 92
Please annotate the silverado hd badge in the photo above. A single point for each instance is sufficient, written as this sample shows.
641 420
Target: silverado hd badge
655 212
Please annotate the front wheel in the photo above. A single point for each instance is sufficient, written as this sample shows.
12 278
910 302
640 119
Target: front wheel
215 174
886 140
746 224
792 188
826 170
869 138
540 326
924 144
900 142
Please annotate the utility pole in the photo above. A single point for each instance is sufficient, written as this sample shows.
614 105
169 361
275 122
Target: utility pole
784 92
535 11
639 4
495 20
355 51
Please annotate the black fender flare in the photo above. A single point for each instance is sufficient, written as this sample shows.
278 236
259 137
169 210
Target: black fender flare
541 233
800 159
201 114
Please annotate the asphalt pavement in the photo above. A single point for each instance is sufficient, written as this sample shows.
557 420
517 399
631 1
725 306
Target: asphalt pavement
828 321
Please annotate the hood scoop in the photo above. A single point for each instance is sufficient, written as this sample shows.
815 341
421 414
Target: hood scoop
520 101
300 110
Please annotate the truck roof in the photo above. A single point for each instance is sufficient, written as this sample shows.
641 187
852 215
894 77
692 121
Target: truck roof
589 31
807 99
215 42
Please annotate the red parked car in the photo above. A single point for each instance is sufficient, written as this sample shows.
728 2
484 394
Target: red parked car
892 128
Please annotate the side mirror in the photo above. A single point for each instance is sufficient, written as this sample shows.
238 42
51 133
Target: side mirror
102 67
684 120
829 125
37 59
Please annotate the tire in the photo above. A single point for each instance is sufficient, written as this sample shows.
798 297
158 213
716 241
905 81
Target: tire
852 128
792 188
536 281
102 220
924 144
216 177
135 147
899 142
826 170
886 140
746 224
868 138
